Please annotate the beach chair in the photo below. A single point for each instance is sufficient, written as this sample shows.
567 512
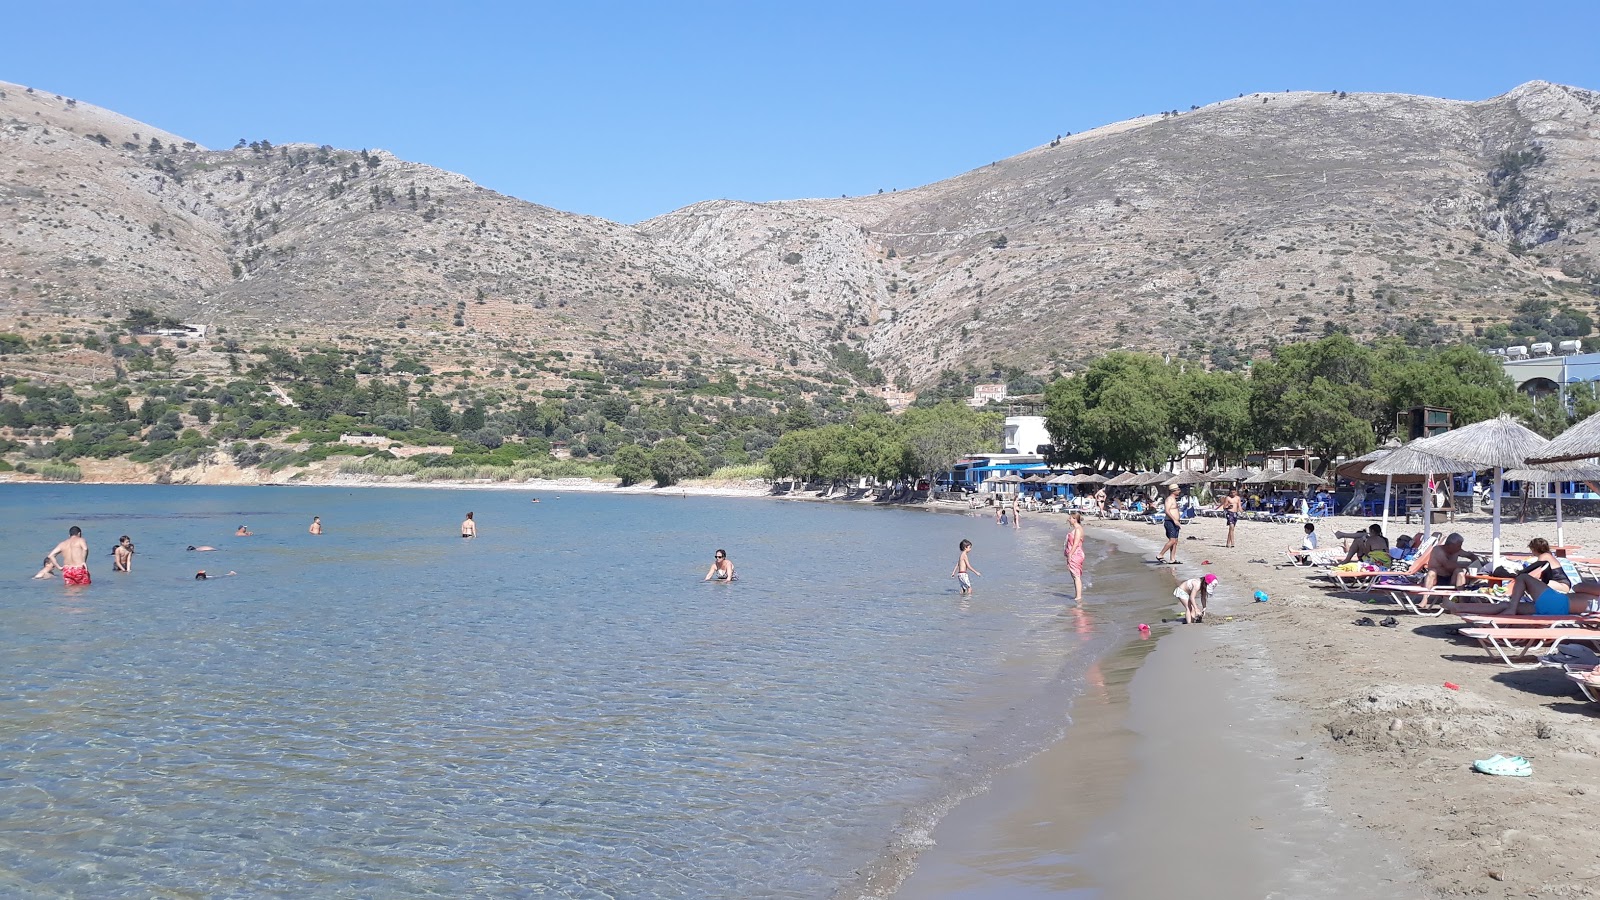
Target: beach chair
1365 581
1587 680
1498 621
1512 644
1408 595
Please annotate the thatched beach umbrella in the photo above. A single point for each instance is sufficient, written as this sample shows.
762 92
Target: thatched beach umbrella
1242 473
1186 479
1555 472
1298 476
1501 442
1261 477
1581 441
1122 479
1406 463
1090 478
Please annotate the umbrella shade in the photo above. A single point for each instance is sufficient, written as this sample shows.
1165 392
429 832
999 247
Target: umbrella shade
1355 468
1501 443
1299 476
1188 478
1413 460
1240 474
1554 472
1581 441
1064 478
1150 478
1122 479
1090 478
1006 479
1036 479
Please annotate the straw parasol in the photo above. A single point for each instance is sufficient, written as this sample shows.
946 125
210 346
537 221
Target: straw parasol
1090 478
1581 441
1240 474
1187 478
1500 442
1063 478
1261 477
1407 463
1122 479
1298 476
1555 472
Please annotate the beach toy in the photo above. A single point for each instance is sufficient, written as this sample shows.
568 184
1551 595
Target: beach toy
1205 562
1261 597
1452 686
1515 766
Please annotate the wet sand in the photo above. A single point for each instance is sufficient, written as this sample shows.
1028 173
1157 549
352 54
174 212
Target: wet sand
1181 776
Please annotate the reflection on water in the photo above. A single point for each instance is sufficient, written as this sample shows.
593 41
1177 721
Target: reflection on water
559 706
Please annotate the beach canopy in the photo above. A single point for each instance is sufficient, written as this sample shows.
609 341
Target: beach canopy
1356 469
1149 478
1036 479
1063 478
1555 472
1291 476
1581 441
1007 478
1187 478
1089 478
1242 473
1411 465
1501 442
1121 480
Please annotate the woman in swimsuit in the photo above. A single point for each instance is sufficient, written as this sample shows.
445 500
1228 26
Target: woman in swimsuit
1074 554
721 568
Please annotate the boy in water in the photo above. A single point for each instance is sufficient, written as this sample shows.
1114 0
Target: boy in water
964 570
122 555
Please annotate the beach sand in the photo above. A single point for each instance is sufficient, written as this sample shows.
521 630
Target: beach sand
1289 753
1182 775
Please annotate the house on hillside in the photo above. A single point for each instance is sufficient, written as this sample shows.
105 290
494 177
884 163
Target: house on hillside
984 394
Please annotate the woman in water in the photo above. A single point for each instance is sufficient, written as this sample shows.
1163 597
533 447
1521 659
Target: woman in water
1073 551
721 568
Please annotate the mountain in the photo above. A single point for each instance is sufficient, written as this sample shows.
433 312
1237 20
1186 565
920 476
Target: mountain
1211 232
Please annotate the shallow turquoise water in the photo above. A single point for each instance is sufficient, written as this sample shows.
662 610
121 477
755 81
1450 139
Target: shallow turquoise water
558 707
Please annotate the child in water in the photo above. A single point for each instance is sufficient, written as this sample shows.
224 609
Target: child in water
964 570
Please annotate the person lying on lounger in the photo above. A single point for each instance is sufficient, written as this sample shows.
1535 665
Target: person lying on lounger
1547 585
1363 543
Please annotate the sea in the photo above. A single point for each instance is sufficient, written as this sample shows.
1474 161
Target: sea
560 707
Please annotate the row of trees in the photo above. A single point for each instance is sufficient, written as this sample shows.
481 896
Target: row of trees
1333 396
923 442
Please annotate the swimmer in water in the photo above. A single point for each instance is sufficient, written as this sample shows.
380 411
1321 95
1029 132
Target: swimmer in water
48 570
202 576
721 568
200 549
469 528
964 571
122 555
243 531
316 525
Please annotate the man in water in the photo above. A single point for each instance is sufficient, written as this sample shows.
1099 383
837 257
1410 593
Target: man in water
48 570
316 525
469 528
74 562
721 568
122 555
1170 522
243 531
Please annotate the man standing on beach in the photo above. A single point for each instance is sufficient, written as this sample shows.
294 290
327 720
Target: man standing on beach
74 553
1232 505
1170 522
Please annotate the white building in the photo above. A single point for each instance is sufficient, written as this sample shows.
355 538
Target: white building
1024 434
984 394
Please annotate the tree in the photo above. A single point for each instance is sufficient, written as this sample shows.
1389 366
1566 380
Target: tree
631 464
1219 408
1127 409
1321 395
673 460
938 436
1464 380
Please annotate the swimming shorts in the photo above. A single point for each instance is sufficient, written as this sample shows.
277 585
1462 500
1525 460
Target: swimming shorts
77 576
966 581
1233 518
1171 528
1551 602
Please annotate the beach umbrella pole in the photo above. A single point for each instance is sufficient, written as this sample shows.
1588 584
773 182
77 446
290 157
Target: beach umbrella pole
1561 540
1427 506
1494 543
1388 485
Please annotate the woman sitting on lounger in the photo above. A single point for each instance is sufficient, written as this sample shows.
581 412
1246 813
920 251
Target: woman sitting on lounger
1542 581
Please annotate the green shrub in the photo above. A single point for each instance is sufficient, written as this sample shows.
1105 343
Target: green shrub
60 472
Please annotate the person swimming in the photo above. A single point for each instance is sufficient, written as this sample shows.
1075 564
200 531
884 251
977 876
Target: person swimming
202 576
48 570
244 531
200 549
721 568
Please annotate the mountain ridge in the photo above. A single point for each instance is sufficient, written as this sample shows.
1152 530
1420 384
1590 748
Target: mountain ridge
1211 232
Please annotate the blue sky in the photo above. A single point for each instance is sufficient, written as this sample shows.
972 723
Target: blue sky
630 109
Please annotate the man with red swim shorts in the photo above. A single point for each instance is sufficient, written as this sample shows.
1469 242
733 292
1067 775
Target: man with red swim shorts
74 553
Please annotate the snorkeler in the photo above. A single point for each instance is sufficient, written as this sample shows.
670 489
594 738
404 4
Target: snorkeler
721 568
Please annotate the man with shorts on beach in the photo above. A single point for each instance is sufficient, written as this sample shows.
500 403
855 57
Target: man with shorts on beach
1170 521
1445 566
1232 505
74 553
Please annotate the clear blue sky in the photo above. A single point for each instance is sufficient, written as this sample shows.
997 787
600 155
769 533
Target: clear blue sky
630 109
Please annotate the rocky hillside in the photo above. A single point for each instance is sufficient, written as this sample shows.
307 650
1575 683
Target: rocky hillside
1227 226
1212 231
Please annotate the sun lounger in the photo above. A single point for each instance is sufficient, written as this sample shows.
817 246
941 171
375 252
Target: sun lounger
1499 621
1415 598
1511 644
1588 681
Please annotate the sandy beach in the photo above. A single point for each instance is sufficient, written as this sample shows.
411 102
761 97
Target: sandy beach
1385 784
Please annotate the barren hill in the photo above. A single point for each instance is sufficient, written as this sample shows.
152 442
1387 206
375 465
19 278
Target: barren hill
1216 230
